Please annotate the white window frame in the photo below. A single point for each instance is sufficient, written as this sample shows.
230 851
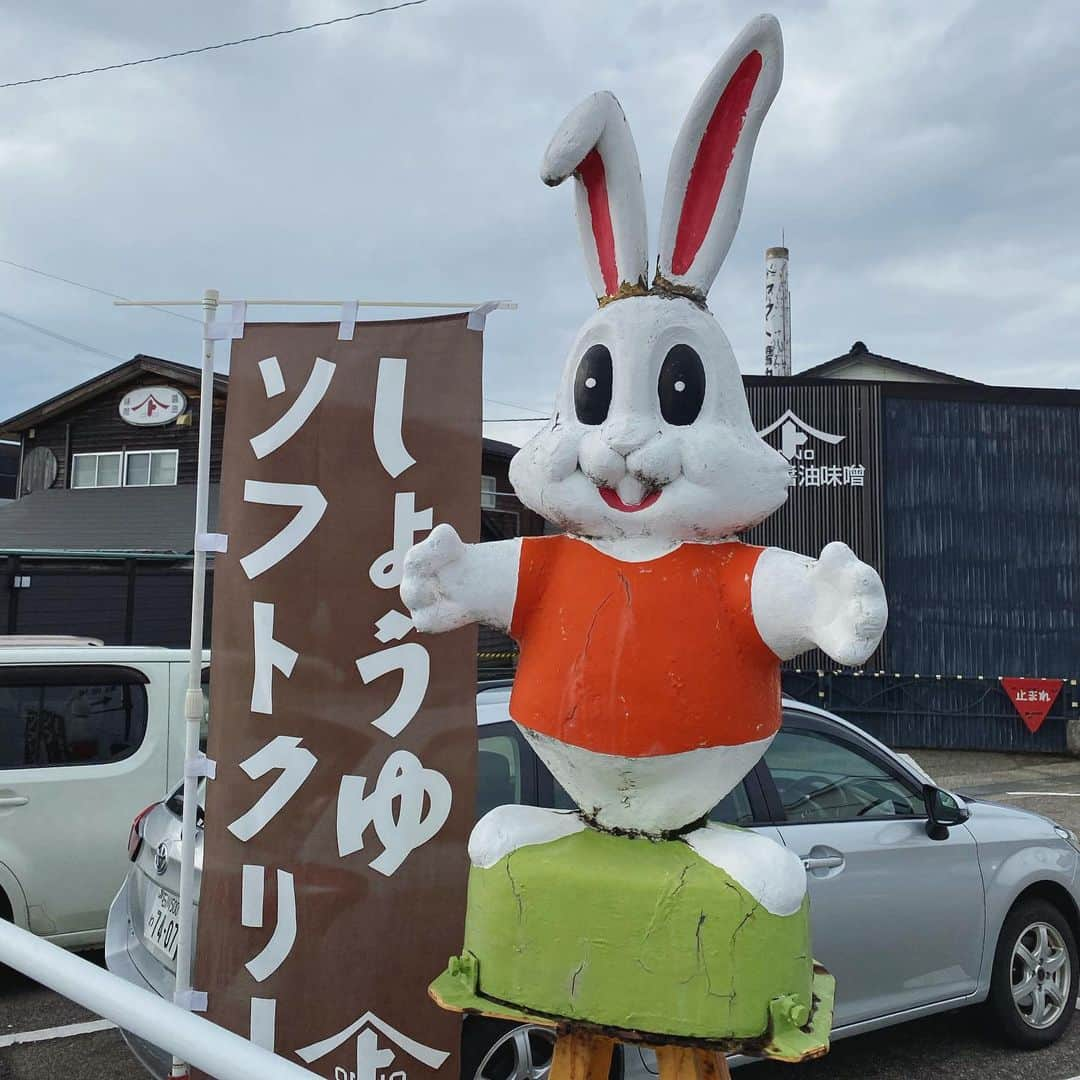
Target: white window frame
149 471
97 455
488 495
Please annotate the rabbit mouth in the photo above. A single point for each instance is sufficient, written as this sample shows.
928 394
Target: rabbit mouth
611 497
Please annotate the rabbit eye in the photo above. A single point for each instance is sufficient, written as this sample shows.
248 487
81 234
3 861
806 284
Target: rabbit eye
681 386
592 385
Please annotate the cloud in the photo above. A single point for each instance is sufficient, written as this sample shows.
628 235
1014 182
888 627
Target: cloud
921 160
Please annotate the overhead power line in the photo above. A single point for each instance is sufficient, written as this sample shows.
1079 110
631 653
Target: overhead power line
212 48
60 337
179 315
92 288
520 408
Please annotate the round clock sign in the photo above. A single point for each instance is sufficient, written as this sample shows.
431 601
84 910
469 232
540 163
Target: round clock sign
151 405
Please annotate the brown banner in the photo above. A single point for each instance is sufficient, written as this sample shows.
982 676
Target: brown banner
334 873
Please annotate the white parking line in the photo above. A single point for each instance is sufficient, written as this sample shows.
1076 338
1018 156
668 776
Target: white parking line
1053 795
45 1034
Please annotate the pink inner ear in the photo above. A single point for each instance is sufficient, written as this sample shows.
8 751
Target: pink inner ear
591 172
712 162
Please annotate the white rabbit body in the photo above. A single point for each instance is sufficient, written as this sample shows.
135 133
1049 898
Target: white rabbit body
650 638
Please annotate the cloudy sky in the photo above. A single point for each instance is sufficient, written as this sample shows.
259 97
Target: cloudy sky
922 160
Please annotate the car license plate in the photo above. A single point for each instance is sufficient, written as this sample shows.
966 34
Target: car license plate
162 928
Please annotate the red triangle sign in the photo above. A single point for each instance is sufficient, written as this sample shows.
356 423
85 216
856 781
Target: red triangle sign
1033 698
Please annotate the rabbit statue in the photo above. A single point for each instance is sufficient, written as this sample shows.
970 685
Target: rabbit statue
651 637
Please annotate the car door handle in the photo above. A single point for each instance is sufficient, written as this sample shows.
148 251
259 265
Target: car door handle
826 862
13 800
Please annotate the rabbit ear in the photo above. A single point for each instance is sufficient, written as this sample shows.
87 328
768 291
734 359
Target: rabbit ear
711 161
594 145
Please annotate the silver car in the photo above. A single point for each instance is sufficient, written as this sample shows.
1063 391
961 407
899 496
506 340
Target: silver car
921 901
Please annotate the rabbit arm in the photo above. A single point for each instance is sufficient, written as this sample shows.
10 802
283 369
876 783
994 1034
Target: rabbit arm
835 603
447 583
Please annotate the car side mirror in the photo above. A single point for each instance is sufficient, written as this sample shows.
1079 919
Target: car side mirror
942 810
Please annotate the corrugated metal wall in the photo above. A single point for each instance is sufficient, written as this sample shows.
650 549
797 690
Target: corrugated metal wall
121 602
971 512
90 605
816 514
982 526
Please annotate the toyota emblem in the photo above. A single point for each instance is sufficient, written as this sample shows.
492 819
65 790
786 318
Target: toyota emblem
161 857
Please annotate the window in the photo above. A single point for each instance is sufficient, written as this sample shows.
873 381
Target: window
734 808
204 727
487 492
69 716
95 470
559 799
150 468
498 773
820 778
140 468
175 804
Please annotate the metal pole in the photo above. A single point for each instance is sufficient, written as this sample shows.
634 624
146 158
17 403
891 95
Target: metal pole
215 1050
193 702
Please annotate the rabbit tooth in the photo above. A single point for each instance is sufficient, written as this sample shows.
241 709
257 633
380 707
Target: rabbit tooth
631 490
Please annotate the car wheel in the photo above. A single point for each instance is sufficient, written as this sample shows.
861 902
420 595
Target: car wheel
502 1050
1033 987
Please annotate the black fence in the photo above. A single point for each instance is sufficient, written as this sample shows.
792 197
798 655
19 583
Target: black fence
935 712
147 602
903 711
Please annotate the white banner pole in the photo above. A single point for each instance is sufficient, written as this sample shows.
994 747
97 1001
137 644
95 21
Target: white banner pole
193 702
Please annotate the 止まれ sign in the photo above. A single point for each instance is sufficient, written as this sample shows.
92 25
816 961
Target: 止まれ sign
148 406
1032 698
333 884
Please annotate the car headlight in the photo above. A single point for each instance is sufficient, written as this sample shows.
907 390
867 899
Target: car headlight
1069 837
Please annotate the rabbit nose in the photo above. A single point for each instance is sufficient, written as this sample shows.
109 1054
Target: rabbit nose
625 435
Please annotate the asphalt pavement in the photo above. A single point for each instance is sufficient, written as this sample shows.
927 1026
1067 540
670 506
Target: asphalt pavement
27 1008
960 1045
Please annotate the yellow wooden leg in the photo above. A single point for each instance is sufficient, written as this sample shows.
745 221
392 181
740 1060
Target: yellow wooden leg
581 1056
687 1063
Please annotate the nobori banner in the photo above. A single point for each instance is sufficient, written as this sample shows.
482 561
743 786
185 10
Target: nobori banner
334 872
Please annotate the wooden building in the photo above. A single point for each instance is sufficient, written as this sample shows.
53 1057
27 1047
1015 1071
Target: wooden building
98 540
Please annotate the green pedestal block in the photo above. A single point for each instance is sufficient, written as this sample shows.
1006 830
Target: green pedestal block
636 935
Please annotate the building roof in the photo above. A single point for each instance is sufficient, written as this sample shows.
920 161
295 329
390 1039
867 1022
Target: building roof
500 449
132 520
150 521
859 354
134 368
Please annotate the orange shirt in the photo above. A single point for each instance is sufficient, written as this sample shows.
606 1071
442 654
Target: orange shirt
641 659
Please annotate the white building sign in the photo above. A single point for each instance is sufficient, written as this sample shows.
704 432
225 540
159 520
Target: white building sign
800 443
149 406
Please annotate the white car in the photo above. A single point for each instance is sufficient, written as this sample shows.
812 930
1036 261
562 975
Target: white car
89 736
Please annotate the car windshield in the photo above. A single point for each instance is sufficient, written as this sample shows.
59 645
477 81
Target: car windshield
175 803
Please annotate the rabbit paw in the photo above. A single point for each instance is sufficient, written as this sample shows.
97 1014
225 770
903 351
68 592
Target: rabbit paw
850 609
433 579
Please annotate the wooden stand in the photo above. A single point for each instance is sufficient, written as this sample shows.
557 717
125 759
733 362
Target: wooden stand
582 1055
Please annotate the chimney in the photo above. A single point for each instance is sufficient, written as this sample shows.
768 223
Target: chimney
777 313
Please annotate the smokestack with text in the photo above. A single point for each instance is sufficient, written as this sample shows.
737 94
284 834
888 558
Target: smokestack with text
777 313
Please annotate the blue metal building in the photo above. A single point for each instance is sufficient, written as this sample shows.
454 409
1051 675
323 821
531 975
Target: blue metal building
968 504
